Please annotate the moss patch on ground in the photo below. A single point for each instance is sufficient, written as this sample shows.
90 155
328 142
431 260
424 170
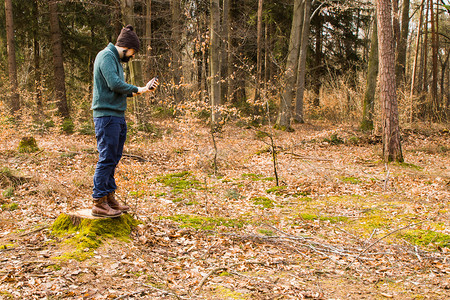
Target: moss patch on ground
180 182
427 238
204 223
89 234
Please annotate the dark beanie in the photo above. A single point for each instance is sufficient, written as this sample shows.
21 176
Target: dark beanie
128 38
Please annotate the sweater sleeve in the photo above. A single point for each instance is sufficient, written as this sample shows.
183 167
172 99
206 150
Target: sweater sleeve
113 80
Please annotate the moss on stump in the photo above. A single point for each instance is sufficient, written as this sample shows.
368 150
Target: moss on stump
28 144
87 233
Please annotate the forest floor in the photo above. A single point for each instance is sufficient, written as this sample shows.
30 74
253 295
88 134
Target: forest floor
340 225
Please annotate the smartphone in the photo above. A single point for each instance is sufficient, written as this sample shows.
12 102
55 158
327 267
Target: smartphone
152 82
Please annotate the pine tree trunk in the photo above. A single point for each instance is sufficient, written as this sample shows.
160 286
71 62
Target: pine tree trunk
290 73
259 51
14 100
302 64
215 61
402 44
434 53
391 135
225 49
416 56
36 61
176 49
58 61
371 84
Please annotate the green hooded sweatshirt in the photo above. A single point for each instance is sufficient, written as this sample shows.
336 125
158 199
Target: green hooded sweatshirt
110 89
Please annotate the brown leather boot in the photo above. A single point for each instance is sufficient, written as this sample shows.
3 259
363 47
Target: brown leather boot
102 209
114 204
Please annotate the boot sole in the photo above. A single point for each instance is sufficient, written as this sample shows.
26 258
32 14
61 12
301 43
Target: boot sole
106 216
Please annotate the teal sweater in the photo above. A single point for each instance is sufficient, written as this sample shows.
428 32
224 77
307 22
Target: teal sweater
110 89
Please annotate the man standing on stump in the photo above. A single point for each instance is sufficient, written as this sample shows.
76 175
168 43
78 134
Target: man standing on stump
109 103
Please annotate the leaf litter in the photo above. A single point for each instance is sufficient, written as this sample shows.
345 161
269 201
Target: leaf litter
343 225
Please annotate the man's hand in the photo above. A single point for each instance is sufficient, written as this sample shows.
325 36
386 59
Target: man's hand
150 86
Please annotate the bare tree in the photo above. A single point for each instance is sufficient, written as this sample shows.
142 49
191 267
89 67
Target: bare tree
402 43
371 82
392 150
259 50
58 61
298 116
215 61
176 49
14 104
290 73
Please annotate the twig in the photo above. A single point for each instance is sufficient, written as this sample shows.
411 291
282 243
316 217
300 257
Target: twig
387 177
200 285
34 231
383 237
139 158
308 157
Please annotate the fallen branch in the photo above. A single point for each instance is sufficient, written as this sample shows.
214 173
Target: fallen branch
383 237
308 157
139 158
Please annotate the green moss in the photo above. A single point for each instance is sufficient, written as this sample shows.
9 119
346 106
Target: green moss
67 126
352 180
232 194
334 140
276 189
7 246
28 145
179 181
89 234
205 223
427 238
251 176
266 232
226 293
10 206
6 295
264 202
409 165
332 219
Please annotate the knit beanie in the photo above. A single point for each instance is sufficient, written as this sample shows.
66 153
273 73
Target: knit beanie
128 38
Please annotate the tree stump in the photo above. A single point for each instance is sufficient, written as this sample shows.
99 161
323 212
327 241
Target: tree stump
86 232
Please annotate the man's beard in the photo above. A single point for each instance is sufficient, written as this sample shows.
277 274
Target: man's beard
125 58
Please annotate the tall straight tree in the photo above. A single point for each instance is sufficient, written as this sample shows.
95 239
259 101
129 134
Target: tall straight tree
371 82
226 50
392 150
402 43
176 48
302 64
290 73
259 50
215 61
14 104
58 61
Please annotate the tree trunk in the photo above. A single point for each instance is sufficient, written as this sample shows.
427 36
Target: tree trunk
215 61
416 55
434 52
402 44
14 100
36 61
58 61
318 61
259 51
302 64
176 49
148 40
290 73
225 49
391 135
371 84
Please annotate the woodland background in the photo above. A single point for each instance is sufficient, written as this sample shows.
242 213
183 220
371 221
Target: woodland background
255 171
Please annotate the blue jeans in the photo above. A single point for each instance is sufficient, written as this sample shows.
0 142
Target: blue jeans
111 133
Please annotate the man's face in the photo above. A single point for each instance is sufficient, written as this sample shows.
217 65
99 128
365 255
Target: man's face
128 54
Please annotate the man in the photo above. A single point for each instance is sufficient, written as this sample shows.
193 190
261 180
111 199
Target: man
109 103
